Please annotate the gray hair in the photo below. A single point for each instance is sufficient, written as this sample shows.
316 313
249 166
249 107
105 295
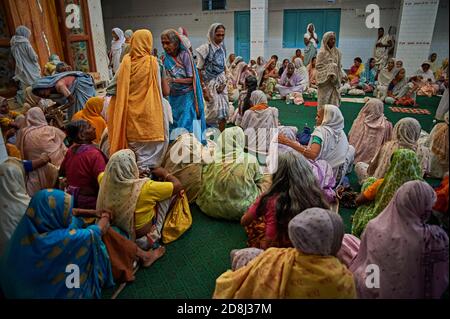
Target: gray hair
172 35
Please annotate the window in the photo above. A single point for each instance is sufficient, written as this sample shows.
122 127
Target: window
296 21
208 5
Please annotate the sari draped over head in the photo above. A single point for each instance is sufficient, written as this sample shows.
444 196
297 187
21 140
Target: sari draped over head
120 188
92 113
260 68
231 166
370 130
308 271
442 71
406 135
135 113
14 198
26 60
46 241
385 76
36 138
439 146
397 87
355 72
301 71
412 255
404 167
213 55
442 190
187 101
368 75
329 73
335 145
426 75
311 50
82 89
116 49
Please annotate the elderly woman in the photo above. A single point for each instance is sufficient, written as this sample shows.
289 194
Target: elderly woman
368 77
14 196
370 131
259 124
72 89
211 63
82 165
294 188
311 41
92 113
138 116
49 238
381 50
251 85
269 78
398 87
186 96
426 72
328 142
293 79
231 166
377 193
115 52
385 76
309 270
35 139
27 69
406 135
128 34
422 247
438 143
329 71
140 205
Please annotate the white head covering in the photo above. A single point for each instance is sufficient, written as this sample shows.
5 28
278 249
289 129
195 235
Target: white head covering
407 132
128 34
326 38
308 35
117 44
258 97
317 231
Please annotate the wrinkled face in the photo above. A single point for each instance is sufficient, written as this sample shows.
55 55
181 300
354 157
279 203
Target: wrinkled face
380 32
399 64
219 36
390 65
115 37
357 63
331 42
372 64
171 48
319 116
433 57
87 133
290 69
425 67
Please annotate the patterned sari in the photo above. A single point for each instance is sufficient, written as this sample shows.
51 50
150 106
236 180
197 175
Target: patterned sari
46 241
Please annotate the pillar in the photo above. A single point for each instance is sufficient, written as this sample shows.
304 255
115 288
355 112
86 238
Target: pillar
259 28
98 38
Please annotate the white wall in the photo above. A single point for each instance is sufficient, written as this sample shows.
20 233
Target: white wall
98 38
439 43
354 40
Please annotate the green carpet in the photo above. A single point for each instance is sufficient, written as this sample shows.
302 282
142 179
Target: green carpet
192 264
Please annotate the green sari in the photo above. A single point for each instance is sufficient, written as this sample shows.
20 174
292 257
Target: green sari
231 182
404 167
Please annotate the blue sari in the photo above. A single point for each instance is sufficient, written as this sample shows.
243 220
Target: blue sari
82 89
186 99
368 75
45 242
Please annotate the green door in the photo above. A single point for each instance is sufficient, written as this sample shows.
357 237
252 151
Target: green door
242 34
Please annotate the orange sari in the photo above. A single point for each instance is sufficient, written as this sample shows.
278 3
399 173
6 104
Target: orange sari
92 113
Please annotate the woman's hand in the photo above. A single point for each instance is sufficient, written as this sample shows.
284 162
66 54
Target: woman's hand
160 173
284 140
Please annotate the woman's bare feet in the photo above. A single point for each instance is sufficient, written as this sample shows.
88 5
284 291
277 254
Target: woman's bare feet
151 256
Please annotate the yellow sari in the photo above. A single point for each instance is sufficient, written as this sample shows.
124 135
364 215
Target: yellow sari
286 273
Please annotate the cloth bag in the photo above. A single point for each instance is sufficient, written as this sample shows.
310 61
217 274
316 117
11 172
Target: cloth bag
304 137
178 221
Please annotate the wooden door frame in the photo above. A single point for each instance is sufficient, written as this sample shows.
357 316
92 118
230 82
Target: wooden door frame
7 43
67 39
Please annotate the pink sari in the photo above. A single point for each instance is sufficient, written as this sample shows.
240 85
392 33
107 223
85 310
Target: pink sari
35 139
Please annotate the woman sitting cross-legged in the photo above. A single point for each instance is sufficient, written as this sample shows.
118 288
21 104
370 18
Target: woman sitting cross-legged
294 188
83 163
328 142
310 270
355 71
377 193
411 255
233 181
140 204
384 78
367 78
399 87
293 81
370 131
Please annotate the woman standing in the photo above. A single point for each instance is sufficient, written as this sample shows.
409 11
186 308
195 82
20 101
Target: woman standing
329 71
27 69
311 41
116 49
126 45
137 116
186 96
381 51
